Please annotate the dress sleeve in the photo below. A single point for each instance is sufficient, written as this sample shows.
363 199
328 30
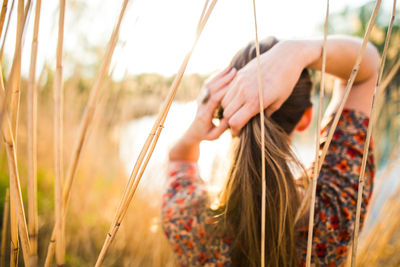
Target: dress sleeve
337 189
183 206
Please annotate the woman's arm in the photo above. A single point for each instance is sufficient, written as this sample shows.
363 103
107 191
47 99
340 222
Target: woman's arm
281 67
342 52
186 149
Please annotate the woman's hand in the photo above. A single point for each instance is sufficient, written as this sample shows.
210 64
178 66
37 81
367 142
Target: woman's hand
202 127
280 70
281 67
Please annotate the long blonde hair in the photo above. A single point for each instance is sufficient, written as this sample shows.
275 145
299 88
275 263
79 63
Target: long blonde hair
239 214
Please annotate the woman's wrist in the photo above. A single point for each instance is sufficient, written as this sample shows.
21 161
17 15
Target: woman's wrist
307 52
186 149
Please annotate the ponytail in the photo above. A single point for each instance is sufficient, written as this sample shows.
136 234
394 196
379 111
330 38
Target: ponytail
242 197
240 201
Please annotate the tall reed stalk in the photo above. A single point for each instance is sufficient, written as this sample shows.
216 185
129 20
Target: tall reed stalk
85 123
17 204
58 140
13 86
14 246
261 106
32 141
389 77
368 139
4 228
150 144
3 15
27 11
6 31
14 79
317 143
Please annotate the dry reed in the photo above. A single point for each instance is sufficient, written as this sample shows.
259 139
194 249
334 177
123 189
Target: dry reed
203 12
32 141
4 228
3 15
14 250
152 139
6 31
85 122
27 11
58 140
261 105
15 187
368 139
318 130
17 197
14 81
389 77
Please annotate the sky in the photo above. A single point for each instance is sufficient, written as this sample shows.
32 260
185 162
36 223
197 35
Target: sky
156 34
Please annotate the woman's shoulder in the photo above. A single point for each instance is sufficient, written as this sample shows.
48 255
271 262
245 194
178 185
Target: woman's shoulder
351 121
346 149
349 137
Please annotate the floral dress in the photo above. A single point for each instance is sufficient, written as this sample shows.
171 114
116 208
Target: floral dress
186 214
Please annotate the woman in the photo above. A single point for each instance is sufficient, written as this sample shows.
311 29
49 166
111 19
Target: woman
230 234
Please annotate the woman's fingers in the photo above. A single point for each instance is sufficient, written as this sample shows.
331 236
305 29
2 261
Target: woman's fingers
224 71
226 79
272 108
240 118
233 106
213 102
220 81
216 84
218 130
232 90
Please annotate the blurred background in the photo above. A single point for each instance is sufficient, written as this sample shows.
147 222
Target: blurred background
155 36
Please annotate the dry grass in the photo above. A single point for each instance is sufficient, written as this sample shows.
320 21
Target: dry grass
379 245
100 180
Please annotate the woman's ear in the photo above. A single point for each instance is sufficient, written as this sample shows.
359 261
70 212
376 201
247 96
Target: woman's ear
305 120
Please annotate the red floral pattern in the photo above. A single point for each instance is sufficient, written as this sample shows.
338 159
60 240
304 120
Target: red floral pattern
187 219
